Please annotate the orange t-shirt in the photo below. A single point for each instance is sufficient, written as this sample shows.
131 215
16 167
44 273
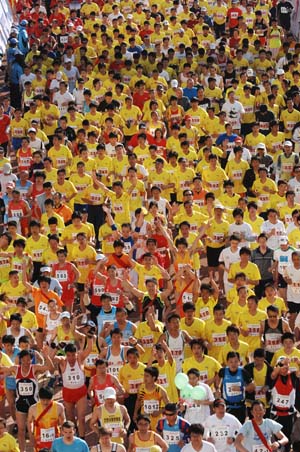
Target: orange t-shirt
41 300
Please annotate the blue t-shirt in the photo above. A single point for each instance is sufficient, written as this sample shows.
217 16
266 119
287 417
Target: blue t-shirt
78 445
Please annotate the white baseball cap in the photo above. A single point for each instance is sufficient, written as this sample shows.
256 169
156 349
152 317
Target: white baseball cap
109 393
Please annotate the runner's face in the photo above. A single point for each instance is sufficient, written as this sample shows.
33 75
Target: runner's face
105 440
101 369
220 410
258 412
68 433
26 361
45 402
71 357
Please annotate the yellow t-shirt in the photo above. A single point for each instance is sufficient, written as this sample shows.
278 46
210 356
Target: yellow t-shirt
216 336
243 350
80 183
8 443
166 378
208 368
213 180
251 323
35 248
81 259
251 271
217 234
195 330
13 293
204 311
148 338
144 274
263 304
131 378
234 310
294 366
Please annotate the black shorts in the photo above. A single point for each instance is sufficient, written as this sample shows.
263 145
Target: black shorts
294 308
281 282
24 404
213 255
80 287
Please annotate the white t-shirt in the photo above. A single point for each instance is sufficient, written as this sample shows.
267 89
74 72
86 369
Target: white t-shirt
246 155
241 229
293 290
206 447
233 113
284 258
273 241
221 429
60 99
228 257
197 414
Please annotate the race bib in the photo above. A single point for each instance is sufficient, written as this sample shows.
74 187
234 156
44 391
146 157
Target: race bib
187 297
232 389
162 380
219 340
37 255
98 290
281 401
17 213
74 379
220 433
253 330
204 314
47 435
25 389
43 308
134 385
150 406
259 394
90 360
147 341
61 275
171 437
259 448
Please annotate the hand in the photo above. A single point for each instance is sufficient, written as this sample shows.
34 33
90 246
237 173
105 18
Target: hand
230 440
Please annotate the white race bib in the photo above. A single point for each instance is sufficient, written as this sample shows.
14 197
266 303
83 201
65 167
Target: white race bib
150 406
47 435
25 389
43 308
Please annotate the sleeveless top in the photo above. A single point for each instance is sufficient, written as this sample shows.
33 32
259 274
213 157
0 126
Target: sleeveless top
143 446
64 337
46 429
22 333
26 387
114 447
231 382
113 421
176 345
73 377
272 336
99 388
115 362
283 397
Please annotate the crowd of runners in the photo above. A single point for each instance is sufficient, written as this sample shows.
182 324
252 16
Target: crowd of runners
150 227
